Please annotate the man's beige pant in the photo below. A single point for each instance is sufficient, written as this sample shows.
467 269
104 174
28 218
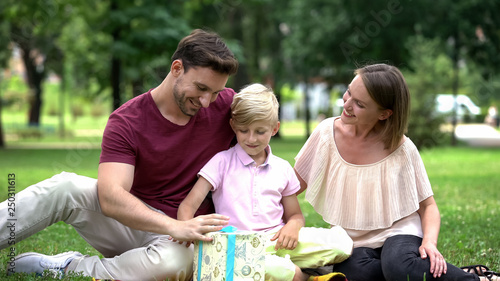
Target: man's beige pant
129 254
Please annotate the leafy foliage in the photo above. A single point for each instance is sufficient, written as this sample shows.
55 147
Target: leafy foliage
425 125
277 42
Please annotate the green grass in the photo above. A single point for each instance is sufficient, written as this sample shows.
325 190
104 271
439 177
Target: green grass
31 166
466 183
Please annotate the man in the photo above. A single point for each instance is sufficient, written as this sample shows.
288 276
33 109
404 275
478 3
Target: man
152 148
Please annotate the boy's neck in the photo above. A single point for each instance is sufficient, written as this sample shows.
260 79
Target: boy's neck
260 159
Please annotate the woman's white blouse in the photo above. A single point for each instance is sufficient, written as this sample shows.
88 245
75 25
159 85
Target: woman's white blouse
362 198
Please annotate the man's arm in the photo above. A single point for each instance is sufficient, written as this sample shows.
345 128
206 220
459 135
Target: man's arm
114 182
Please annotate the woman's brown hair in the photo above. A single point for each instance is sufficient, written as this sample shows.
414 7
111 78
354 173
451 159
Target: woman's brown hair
387 87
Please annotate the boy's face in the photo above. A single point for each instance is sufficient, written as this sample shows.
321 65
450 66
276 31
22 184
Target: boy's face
255 137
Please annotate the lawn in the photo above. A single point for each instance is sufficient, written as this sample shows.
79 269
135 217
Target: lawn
466 183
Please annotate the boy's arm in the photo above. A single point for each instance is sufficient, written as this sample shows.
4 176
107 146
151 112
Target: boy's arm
193 200
288 236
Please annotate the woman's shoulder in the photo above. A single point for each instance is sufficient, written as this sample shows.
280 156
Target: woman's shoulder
407 145
328 122
325 127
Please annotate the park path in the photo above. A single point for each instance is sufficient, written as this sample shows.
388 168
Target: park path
478 135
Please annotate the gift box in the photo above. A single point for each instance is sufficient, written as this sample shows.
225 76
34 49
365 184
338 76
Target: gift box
231 255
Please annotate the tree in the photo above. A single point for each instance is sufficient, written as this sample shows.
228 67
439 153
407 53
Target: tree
329 39
125 46
4 57
145 35
427 62
471 31
246 25
34 28
227 19
307 41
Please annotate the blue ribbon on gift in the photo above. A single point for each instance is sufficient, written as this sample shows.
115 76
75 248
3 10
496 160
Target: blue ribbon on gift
231 245
200 255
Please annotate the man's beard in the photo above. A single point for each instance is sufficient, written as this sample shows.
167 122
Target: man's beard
180 99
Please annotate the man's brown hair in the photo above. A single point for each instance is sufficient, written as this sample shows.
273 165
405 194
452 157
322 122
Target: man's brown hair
205 49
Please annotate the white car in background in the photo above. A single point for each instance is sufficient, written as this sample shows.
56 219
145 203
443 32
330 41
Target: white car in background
444 105
465 106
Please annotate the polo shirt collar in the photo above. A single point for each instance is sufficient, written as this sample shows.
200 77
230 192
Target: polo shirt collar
246 159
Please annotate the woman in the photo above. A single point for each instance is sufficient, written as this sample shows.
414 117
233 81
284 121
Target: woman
363 174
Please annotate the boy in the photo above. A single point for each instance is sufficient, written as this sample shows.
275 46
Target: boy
257 191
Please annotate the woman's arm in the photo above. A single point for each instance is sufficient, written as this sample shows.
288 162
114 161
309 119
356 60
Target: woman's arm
303 184
431 222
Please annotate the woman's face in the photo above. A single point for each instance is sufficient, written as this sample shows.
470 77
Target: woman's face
359 107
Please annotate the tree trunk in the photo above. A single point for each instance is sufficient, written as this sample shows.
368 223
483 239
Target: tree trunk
137 88
116 65
2 138
115 81
306 104
277 92
455 58
241 78
35 73
62 129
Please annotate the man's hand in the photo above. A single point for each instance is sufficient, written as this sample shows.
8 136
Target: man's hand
194 229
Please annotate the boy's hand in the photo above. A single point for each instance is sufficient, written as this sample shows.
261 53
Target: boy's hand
288 236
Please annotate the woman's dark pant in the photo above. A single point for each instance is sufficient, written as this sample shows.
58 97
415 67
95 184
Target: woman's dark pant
397 260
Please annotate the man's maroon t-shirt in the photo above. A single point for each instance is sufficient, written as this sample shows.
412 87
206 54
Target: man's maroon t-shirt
166 156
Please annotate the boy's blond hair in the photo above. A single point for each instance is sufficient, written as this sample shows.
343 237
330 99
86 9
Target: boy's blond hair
253 103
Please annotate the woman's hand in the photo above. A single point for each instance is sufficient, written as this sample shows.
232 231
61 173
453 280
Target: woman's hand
431 221
438 264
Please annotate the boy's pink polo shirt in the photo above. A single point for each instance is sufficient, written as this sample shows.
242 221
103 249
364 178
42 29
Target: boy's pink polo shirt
250 195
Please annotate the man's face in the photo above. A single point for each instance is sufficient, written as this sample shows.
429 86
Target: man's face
197 88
